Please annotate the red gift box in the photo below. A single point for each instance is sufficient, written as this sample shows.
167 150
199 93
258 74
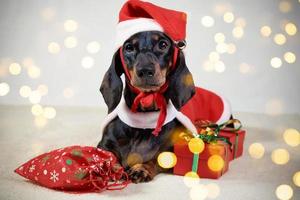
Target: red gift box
236 139
185 159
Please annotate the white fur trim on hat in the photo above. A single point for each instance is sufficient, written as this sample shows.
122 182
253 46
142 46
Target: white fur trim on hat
226 111
127 28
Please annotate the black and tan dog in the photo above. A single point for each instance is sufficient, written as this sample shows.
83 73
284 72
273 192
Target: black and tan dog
151 60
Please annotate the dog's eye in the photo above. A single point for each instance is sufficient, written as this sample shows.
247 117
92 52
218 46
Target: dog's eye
129 47
162 45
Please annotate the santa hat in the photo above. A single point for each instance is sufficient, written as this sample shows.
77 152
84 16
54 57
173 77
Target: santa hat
137 16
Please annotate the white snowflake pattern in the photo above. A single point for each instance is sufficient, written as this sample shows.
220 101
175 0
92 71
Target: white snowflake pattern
31 168
96 157
54 176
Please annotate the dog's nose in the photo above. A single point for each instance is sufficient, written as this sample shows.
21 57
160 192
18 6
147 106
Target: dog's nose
145 72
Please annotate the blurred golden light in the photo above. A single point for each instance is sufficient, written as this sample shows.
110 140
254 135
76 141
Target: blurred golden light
280 156
274 107
219 38
207 21
265 31
290 29
240 22
221 8
15 68
213 190
25 91
53 48
70 25
222 48
27 62
191 179
196 145
87 62
279 39
43 90
238 32
220 67
284 192
34 97
276 62
208 66
49 112
231 48
40 121
4 89
228 17
68 93
167 160
296 179
215 163
291 137
198 192
256 150
134 158
245 68
70 42
48 14
37 110
285 6
289 57
213 56
33 72
93 47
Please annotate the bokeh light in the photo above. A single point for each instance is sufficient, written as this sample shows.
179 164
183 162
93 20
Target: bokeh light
228 17
289 57
215 163
34 97
296 178
93 47
244 68
208 66
285 6
222 48
265 31
25 91
70 42
276 62
220 67
48 14
4 89
291 137
15 68
280 156
213 190
256 150
68 93
279 39
49 112
70 25
284 192
290 29
238 32
27 62
87 62
240 22
196 145
53 48
167 160
33 72
191 179
213 56
231 48
207 21
40 121
274 107
219 38
37 110
198 192
42 89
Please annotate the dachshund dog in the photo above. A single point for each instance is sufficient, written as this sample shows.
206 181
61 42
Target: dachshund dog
148 56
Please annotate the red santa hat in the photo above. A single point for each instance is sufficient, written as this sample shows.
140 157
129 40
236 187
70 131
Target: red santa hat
138 16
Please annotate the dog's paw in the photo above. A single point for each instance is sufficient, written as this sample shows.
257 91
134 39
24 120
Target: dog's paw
138 174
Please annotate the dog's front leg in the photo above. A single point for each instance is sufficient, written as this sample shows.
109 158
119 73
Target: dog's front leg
144 172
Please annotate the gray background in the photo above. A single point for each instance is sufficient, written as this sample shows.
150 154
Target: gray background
26 32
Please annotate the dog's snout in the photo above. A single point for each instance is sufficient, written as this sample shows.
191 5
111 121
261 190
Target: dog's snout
145 72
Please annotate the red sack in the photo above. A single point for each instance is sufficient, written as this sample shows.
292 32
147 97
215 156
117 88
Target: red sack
76 168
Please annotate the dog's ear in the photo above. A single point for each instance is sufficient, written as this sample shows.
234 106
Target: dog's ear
112 85
181 83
